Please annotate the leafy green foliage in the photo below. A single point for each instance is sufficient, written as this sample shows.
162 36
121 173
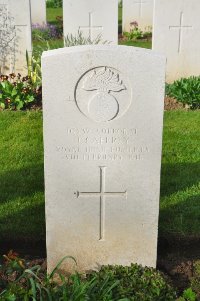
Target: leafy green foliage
186 90
17 92
188 295
21 282
134 283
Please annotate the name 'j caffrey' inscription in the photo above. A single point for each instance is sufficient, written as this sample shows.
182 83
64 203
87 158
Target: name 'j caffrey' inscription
102 144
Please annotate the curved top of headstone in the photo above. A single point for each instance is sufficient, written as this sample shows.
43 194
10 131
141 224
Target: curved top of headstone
92 48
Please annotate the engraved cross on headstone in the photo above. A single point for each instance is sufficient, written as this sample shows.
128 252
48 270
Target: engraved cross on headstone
4 25
180 27
140 2
8 36
102 194
90 27
7 16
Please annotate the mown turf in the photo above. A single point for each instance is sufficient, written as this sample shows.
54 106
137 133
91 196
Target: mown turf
52 13
22 177
139 43
180 185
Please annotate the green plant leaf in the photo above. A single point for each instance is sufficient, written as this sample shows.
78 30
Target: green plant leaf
2 105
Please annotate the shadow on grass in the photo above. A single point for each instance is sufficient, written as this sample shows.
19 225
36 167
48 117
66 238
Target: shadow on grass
21 183
178 177
179 232
181 218
23 226
22 212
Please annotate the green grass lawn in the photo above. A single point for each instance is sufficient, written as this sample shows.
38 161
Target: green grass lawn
22 178
139 43
52 13
180 185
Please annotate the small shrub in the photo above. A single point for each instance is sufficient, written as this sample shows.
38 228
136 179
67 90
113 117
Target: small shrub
134 283
186 91
136 33
17 92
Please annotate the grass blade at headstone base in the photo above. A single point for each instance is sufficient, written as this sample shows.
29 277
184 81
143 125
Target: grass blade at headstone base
112 286
27 271
37 267
107 290
33 289
79 288
59 264
48 294
40 290
64 287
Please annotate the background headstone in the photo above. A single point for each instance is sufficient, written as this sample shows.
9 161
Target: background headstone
92 18
38 11
15 35
140 11
176 34
103 137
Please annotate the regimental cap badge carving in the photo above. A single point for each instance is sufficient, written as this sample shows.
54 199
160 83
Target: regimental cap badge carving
103 106
103 80
101 100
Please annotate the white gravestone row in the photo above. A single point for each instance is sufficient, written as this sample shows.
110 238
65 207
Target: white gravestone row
15 35
176 35
140 11
93 18
38 11
103 139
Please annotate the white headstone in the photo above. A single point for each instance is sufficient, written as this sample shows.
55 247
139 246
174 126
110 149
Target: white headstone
15 35
103 137
176 34
140 11
38 12
93 18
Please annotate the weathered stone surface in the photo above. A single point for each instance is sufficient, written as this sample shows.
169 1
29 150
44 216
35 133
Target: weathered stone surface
15 35
103 115
38 11
176 34
93 18
140 11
